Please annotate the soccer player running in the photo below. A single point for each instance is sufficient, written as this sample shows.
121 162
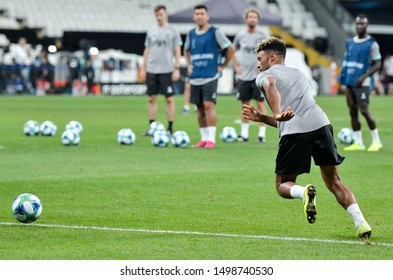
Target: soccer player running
162 43
203 48
244 43
304 130
362 60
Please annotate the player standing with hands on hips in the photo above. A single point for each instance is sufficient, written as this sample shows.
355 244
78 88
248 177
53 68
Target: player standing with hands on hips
244 43
162 43
305 132
202 50
362 60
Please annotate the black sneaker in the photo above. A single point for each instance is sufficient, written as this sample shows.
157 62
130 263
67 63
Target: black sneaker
242 139
146 133
261 140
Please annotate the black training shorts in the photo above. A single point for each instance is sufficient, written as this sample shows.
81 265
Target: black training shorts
295 151
247 90
205 92
159 83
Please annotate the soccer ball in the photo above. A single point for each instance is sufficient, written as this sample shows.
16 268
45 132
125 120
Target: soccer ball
48 128
155 126
160 139
26 208
126 136
70 138
31 128
345 136
74 125
180 139
228 134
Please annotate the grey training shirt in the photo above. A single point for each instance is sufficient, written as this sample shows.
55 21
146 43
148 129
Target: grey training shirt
245 43
162 42
295 92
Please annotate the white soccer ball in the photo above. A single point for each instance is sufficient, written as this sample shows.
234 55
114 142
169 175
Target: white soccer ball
160 139
31 128
70 138
155 126
345 136
180 139
228 134
48 128
126 136
26 208
74 125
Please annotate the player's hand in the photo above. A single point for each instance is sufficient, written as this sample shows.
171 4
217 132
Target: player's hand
286 115
189 70
359 82
175 75
251 113
239 69
142 75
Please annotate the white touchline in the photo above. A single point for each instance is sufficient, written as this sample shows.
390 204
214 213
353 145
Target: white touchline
285 238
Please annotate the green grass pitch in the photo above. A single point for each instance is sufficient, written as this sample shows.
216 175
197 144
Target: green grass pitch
102 200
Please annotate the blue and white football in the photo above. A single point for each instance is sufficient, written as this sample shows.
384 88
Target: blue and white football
26 208
70 138
31 128
126 136
180 139
228 134
160 138
48 128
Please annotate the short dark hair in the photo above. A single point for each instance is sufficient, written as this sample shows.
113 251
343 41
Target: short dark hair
272 44
159 7
362 16
201 6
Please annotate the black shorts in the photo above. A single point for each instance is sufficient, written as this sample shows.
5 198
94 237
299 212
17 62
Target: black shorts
159 83
247 90
361 94
295 151
206 92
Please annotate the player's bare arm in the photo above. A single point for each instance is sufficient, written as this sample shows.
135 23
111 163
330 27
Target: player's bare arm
375 66
274 99
188 60
228 57
176 72
251 113
143 69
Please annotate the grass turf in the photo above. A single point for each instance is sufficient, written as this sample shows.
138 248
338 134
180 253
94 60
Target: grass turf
229 190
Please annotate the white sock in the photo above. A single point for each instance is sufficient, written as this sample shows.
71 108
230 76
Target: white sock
297 191
357 135
212 134
375 135
244 130
356 214
262 131
204 133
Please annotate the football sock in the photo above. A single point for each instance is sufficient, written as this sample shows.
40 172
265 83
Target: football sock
357 135
356 214
150 121
262 131
297 191
212 134
244 130
375 135
204 133
170 124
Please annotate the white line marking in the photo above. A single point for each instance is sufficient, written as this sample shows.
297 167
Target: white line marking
284 238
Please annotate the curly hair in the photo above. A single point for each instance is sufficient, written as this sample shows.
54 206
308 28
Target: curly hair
272 44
